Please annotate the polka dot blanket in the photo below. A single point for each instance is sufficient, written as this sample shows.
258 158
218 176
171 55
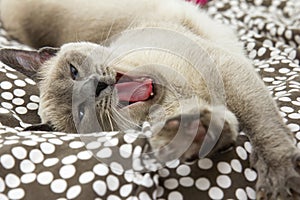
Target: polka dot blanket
52 165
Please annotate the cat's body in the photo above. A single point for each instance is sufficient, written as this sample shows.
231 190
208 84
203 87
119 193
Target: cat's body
222 89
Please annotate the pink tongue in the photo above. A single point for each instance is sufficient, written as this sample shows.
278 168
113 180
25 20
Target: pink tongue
134 91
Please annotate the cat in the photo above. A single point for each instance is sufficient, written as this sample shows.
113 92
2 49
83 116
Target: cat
169 62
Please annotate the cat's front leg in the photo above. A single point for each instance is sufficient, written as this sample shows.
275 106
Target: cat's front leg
274 156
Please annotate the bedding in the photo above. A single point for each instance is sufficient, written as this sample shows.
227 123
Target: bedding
112 165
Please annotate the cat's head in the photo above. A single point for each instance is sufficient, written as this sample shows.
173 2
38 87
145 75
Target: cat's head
80 88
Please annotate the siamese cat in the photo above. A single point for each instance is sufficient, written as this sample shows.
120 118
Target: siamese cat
162 61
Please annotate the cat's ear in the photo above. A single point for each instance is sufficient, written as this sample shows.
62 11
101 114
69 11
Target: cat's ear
27 62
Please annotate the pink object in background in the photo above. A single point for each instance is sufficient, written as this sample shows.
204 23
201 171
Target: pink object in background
201 2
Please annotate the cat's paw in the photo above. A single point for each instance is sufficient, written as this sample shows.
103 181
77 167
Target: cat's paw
184 135
278 180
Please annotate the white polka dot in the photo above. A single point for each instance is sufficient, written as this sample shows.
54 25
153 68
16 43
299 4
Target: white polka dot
4 111
73 192
30 81
293 127
84 155
296 103
294 116
252 54
2 185
86 177
113 197
186 181
251 193
130 138
76 144
7 95
266 79
6 105
32 106
250 46
58 186
248 147
288 34
18 193
21 110
100 188
261 51
163 172
171 183
269 69
5 85
173 164
93 145
202 184
19 92
224 181
47 148
69 160
55 141
19 152
34 98
292 55
12 181
284 70
7 161
26 166
36 156
19 83
144 196
3 197
112 183
236 165
224 168
137 152
159 191
101 170
205 163
297 38
67 171
116 168
175 195
51 162
126 190
241 152
215 193
183 170
104 153
285 99
287 109
241 194
250 174
45 178
111 143
11 76
18 101
28 178
125 150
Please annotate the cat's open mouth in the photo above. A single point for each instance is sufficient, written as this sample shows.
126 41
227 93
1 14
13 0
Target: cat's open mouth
132 89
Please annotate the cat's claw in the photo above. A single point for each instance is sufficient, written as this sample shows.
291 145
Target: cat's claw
280 182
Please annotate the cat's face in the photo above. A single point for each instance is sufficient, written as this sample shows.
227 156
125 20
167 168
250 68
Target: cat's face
82 92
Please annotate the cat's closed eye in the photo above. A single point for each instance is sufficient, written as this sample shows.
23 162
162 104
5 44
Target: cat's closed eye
73 71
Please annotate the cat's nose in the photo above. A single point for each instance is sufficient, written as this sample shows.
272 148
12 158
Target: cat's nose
100 87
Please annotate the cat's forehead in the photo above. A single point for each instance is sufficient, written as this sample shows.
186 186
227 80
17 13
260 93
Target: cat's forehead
83 51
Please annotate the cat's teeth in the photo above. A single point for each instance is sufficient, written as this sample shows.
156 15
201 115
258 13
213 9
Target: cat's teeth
152 94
